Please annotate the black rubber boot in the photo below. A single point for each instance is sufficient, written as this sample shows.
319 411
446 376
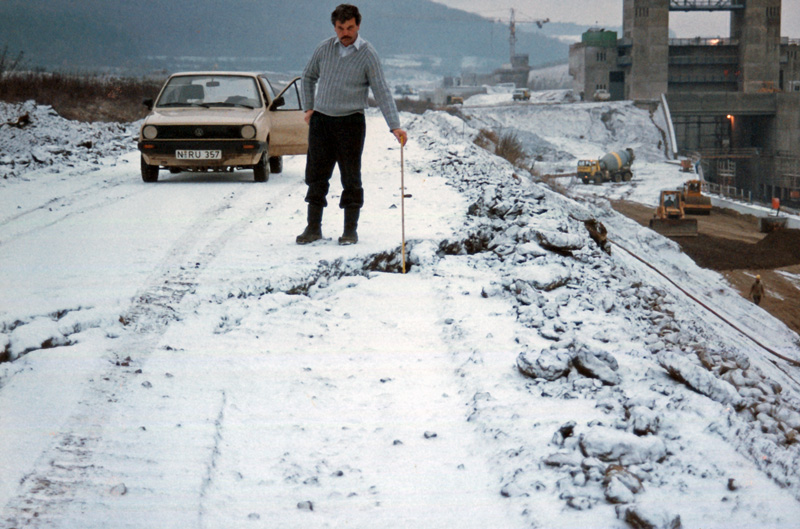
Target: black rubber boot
350 236
313 231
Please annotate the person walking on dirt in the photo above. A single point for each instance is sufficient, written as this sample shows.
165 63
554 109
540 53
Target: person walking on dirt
336 82
757 290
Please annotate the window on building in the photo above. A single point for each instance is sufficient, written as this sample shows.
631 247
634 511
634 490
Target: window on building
601 56
642 12
773 12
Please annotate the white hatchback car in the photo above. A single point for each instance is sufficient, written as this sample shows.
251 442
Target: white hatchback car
221 121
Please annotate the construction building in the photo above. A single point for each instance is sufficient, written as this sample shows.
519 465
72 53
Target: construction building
734 100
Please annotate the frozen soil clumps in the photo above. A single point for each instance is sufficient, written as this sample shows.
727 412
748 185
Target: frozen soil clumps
602 333
45 140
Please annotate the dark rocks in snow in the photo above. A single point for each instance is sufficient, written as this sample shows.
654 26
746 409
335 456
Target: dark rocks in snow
557 361
548 364
648 517
546 278
643 420
598 233
430 435
559 241
699 379
34 136
598 364
564 431
41 156
40 333
562 459
118 490
305 506
621 485
21 122
563 342
530 250
593 469
4 348
617 446
580 502
524 292
551 331
473 243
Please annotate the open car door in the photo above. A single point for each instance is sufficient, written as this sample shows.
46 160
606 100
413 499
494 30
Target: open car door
288 128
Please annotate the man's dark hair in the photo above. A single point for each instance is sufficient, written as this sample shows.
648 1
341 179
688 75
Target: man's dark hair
345 12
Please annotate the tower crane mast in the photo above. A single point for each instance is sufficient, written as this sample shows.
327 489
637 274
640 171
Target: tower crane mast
512 26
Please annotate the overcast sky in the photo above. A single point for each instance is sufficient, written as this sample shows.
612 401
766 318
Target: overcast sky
609 13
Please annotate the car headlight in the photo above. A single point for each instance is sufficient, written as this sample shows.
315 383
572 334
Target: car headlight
150 132
248 132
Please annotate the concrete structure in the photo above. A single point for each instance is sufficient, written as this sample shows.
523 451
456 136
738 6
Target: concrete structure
591 64
734 99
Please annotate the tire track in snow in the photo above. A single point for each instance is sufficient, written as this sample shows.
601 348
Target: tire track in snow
215 455
66 478
72 199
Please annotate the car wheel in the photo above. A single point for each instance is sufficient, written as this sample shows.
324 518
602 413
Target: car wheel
149 172
627 176
276 164
261 169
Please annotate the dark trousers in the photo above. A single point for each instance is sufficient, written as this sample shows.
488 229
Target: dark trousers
332 141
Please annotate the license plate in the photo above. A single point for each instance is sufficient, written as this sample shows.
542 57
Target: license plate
198 154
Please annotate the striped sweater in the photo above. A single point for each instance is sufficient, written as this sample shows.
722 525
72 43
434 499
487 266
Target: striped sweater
339 86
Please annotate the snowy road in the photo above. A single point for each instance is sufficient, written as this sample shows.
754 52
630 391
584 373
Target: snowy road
246 378
178 361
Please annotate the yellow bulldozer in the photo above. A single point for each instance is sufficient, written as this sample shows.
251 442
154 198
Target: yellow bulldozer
669 219
694 201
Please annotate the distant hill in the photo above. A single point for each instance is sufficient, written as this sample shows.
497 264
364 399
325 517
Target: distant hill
275 35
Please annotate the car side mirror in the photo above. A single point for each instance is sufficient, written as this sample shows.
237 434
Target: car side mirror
148 103
277 103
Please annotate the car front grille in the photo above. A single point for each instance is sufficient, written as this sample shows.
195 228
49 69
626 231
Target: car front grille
200 132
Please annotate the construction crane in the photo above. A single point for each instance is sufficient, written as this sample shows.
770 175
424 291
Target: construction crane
512 25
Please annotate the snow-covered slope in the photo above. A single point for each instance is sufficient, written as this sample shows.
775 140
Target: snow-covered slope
180 361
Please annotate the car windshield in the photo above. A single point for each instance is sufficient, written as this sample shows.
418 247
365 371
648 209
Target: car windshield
210 91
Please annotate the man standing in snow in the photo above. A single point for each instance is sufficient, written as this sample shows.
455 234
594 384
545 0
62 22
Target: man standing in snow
336 82
757 290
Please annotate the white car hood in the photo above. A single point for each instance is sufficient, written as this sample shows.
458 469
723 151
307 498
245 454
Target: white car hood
203 116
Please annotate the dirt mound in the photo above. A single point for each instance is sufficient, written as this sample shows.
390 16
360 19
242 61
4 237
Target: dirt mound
778 249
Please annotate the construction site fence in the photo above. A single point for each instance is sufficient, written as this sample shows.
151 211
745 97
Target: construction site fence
728 191
745 196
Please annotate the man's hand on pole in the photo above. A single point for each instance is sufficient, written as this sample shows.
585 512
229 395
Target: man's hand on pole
401 136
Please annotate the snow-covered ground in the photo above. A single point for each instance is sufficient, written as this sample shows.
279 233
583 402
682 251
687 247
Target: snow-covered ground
178 361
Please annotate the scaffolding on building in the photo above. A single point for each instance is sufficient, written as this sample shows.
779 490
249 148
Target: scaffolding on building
787 174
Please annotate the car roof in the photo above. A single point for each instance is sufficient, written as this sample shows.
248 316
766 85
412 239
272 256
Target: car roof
218 73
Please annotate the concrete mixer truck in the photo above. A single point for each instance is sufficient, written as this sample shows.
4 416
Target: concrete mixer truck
614 166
